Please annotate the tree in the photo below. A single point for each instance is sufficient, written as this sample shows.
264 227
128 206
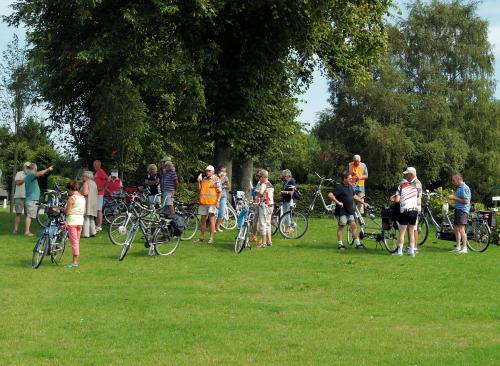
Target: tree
436 88
18 95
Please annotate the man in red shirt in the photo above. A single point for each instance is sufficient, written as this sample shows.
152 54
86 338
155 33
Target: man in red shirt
101 180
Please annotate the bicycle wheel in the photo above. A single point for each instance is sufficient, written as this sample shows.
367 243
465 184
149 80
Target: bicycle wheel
113 209
422 229
293 224
123 253
275 222
350 237
41 215
163 241
191 222
229 219
391 239
241 238
59 246
478 236
40 250
119 229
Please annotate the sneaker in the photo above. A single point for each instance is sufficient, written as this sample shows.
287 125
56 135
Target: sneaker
397 254
411 253
341 247
269 244
456 250
360 246
210 241
72 265
98 228
463 251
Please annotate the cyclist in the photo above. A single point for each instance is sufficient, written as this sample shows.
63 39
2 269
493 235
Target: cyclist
19 195
75 209
408 195
32 190
462 198
359 174
287 194
152 181
225 186
169 183
344 196
210 191
101 180
265 200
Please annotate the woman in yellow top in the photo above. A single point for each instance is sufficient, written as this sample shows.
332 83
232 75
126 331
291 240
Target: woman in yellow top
75 210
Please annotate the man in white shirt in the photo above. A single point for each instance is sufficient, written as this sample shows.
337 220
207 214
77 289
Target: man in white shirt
408 195
19 195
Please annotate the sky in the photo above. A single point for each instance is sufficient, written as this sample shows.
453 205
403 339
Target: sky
315 99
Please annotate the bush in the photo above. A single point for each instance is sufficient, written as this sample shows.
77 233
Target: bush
53 179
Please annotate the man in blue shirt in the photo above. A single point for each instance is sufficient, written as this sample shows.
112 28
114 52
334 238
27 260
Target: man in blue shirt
462 198
32 194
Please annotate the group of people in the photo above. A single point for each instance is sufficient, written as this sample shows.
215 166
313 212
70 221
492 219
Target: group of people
85 202
408 200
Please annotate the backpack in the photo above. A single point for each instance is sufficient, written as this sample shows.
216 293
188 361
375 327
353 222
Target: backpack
177 225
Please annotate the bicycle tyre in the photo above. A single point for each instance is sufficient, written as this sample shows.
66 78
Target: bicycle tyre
229 220
110 211
299 219
39 251
241 238
56 257
478 236
423 230
391 239
41 215
350 237
164 243
191 222
275 222
119 229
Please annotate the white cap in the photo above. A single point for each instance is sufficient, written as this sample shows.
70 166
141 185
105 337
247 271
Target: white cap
114 173
411 170
27 163
210 167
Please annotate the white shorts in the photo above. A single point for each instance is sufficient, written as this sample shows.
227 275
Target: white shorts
205 210
168 199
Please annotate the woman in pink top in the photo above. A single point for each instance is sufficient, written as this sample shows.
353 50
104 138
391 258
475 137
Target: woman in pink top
75 209
101 179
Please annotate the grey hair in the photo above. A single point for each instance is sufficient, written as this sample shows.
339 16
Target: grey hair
168 163
263 173
88 174
458 176
33 166
357 157
286 173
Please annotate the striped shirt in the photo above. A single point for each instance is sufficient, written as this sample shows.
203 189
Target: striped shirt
168 180
408 193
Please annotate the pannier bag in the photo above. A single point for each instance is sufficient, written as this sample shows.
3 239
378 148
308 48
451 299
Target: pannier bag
387 217
177 225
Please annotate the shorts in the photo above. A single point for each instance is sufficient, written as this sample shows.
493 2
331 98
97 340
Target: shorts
18 205
205 210
265 216
408 218
222 208
168 199
155 199
461 217
30 208
344 219
100 202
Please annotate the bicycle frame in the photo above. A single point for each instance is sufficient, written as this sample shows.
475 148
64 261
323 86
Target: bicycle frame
319 194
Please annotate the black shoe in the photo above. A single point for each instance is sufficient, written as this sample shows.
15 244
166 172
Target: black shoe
341 247
360 246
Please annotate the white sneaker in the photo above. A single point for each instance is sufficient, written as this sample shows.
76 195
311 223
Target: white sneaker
411 253
463 251
456 250
397 254
98 228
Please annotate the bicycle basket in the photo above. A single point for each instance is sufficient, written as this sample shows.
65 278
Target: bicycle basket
177 225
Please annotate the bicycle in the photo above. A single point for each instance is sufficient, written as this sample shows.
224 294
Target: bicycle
52 241
369 226
188 213
54 197
246 221
163 240
293 224
114 206
477 229
229 218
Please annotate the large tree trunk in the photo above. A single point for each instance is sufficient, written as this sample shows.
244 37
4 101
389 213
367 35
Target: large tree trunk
246 174
224 156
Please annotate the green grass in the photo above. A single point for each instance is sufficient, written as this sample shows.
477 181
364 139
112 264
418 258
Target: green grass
300 302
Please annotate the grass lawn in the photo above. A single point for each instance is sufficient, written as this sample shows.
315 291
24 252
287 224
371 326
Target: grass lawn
300 302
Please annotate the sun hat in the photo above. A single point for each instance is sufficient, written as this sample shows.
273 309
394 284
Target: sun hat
411 170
